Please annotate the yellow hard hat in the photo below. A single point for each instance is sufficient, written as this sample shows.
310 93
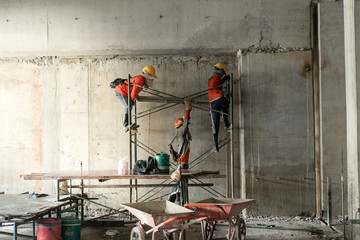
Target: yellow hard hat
221 66
149 70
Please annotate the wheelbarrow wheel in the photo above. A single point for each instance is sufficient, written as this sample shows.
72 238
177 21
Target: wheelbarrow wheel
137 234
240 230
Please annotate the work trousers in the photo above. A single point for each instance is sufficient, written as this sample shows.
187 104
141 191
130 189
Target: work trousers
221 105
124 102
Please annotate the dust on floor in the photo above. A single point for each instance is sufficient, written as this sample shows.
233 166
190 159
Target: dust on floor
257 228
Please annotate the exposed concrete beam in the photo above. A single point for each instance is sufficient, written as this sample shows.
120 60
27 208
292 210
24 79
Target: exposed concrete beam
351 109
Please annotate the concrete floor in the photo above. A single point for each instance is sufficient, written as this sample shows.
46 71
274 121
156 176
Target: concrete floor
257 228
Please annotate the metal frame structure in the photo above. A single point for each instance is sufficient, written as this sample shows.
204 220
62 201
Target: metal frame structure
15 220
170 100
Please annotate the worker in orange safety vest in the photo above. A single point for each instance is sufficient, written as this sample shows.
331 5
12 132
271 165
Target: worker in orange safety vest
181 156
145 79
184 137
218 102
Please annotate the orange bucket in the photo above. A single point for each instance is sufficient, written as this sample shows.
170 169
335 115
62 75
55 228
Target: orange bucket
49 229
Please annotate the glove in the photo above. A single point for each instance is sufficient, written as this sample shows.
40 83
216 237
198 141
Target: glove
176 175
225 78
116 82
188 105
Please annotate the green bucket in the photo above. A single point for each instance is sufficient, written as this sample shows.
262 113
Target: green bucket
162 162
70 228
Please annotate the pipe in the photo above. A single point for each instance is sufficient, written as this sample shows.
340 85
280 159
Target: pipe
329 205
342 204
130 145
232 178
135 153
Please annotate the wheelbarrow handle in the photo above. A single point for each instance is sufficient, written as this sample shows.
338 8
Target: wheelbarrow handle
198 219
156 228
208 206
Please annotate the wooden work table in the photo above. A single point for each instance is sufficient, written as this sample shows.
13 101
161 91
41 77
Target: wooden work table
112 174
104 175
17 209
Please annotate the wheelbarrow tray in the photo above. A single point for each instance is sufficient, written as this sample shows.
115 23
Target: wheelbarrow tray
221 208
156 212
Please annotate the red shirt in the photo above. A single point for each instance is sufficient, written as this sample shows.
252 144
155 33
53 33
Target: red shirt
214 81
187 114
134 90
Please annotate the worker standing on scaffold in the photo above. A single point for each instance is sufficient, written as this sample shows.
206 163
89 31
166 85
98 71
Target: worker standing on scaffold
145 79
181 157
218 102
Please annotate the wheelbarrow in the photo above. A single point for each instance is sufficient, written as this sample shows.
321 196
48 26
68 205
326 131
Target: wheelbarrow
217 209
160 215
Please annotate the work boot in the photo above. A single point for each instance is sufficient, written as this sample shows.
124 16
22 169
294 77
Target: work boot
172 197
215 140
125 120
134 126
174 194
178 198
226 122
228 127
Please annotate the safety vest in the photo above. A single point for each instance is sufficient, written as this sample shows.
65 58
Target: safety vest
134 90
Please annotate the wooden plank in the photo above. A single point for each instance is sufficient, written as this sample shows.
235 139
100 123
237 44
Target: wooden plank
143 185
20 205
112 174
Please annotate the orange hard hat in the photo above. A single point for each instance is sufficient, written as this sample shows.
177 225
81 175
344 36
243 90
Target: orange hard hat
178 122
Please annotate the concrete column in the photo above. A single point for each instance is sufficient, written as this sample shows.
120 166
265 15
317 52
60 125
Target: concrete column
351 109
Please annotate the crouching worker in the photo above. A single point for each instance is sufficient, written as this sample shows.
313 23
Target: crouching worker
145 79
181 157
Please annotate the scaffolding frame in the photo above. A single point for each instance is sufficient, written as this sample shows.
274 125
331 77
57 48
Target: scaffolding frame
170 100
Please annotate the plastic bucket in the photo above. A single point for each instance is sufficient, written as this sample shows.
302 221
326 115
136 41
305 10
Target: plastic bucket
162 162
49 229
123 167
70 228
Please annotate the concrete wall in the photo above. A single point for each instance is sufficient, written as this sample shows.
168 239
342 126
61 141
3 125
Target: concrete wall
62 112
277 102
58 57
40 27
333 103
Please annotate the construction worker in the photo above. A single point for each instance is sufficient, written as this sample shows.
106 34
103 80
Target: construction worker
145 79
181 157
218 102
